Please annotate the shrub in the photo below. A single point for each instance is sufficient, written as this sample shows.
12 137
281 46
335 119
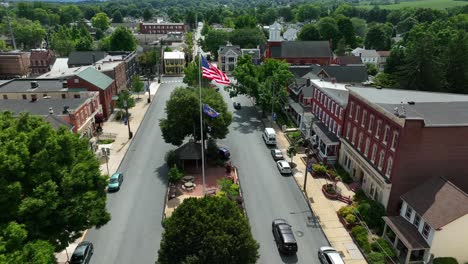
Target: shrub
445 260
346 178
228 187
106 141
376 258
171 158
346 210
319 169
360 235
359 195
372 212
175 175
350 218
387 248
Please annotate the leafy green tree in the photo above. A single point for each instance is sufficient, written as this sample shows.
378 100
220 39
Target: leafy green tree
48 175
205 29
125 96
307 12
456 63
245 21
70 13
62 42
328 29
246 74
377 39
360 26
149 60
42 16
122 39
286 13
371 69
3 46
225 239
183 115
137 85
268 17
213 40
117 17
247 37
28 33
192 74
104 44
395 61
341 47
101 21
346 10
147 14
385 80
346 28
309 32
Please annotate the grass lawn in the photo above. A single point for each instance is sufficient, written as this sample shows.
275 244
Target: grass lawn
436 4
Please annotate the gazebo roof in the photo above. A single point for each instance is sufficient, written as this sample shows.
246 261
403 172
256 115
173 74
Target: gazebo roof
189 151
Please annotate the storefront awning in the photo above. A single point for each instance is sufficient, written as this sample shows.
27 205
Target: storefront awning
324 134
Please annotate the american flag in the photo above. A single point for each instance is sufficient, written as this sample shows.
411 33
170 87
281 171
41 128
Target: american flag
211 72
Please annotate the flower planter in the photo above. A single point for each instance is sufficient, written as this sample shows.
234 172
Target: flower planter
347 225
331 196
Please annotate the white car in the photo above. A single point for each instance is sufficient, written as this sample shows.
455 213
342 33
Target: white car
283 166
329 255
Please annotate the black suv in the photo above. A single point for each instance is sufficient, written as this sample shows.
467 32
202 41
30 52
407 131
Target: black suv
284 237
82 253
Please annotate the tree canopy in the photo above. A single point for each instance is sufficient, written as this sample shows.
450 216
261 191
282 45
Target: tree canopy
309 32
207 230
121 39
183 115
51 187
101 21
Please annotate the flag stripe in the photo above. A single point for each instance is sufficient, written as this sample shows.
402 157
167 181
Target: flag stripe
210 71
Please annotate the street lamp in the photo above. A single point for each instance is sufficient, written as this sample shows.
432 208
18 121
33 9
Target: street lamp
130 134
309 155
106 153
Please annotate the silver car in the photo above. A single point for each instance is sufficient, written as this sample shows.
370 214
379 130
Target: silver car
329 255
277 154
284 167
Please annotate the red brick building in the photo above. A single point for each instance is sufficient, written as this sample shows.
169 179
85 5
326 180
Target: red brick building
91 79
41 61
396 139
14 64
300 52
161 28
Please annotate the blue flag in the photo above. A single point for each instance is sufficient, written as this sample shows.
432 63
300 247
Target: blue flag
210 111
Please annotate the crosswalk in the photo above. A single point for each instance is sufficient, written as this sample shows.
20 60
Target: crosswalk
176 81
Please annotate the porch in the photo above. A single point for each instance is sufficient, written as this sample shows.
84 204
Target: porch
297 112
409 245
326 144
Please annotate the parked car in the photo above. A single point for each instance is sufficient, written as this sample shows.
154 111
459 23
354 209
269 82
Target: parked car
115 182
236 105
329 255
224 153
284 236
82 253
283 166
277 154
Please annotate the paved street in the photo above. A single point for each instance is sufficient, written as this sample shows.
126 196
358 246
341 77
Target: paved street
267 194
134 232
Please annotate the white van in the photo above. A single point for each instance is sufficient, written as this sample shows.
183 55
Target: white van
269 136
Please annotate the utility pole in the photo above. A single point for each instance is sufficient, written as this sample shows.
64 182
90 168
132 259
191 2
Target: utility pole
272 101
201 122
9 25
130 134
307 150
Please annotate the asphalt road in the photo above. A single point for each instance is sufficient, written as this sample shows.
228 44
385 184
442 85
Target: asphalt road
268 194
134 232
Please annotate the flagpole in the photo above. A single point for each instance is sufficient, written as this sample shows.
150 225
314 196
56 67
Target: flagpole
201 120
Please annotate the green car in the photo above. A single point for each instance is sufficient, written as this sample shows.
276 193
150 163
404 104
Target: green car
115 182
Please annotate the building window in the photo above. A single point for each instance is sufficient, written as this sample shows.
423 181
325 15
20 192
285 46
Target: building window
374 153
333 108
354 135
24 97
409 212
338 131
426 230
366 149
359 141
64 96
341 113
348 129
76 80
336 109
351 108
364 117
76 96
388 171
371 123
5 97
386 134
417 220
377 130
357 113
394 140
381 160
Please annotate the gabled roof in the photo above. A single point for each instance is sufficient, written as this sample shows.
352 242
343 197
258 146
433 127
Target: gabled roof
347 74
189 151
58 121
41 54
305 49
438 201
96 78
225 49
254 53
85 57
345 60
384 53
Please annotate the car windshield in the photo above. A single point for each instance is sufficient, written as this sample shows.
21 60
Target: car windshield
113 180
79 253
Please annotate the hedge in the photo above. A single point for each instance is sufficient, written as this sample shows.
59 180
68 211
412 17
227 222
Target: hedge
387 248
445 260
376 258
360 235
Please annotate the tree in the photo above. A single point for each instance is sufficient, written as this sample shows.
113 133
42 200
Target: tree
268 17
70 13
307 12
42 16
286 13
52 183
122 39
341 47
309 32
213 40
147 14
360 26
192 74
456 66
183 115
395 60
148 61
125 96
205 29
245 21
62 42
117 17
247 37
377 39
137 85
329 30
28 33
3 46
226 239
101 21
346 28
246 74
371 69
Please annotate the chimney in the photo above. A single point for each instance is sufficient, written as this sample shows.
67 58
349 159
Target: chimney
308 81
51 110
34 84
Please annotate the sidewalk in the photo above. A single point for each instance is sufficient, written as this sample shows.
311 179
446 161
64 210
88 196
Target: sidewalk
324 209
118 149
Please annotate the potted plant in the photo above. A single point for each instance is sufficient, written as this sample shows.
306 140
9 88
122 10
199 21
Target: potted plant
347 217
319 170
329 191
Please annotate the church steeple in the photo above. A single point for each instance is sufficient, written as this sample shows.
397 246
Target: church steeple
275 32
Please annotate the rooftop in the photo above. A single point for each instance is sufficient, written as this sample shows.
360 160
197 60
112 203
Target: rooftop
347 74
305 49
41 106
24 85
85 57
337 91
96 78
438 202
435 109
174 55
